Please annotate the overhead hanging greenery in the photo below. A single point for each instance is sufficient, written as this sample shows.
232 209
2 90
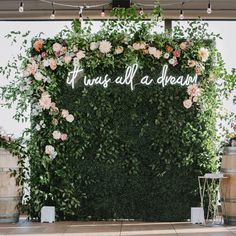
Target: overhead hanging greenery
114 153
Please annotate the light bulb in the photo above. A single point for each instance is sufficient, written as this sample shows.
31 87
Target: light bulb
181 16
80 17
209 8
53 15
103 12
141 11
21 7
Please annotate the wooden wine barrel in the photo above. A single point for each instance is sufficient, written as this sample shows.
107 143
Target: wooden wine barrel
9 197
228 187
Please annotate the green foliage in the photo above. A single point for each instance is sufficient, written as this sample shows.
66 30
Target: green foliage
130 154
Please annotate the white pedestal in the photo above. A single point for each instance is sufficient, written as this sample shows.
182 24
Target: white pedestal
197 215
48 214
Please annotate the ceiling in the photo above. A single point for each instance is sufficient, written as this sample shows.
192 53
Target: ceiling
41 9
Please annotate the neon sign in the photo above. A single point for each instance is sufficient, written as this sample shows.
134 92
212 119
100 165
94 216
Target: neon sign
128 78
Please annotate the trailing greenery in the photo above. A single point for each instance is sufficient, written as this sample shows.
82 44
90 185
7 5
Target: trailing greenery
99 153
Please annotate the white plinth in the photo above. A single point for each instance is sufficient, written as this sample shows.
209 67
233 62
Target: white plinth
197 215
48 214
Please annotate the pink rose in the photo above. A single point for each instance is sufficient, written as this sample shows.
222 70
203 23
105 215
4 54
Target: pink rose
187 103
45 101
64 113
44 55
53 64
80 55
53 107
193 90
176 53
67 59
198 70
64 137
57 47
157 54
32 68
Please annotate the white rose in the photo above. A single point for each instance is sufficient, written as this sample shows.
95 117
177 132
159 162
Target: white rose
157 54
203 54
46 63
38 76
56 134
119 50
64 113
80 55
152 50
49 149
166 55
136 46
187 103
38 127
172 61
105 46
70 118
94 46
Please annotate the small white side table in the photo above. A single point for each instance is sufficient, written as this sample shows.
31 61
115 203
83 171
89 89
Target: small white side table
209 184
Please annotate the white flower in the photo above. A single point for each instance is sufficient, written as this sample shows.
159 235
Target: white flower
49 149
187 103
64 113
105 46
56 134
119 50
70 118
80 54
166 55
38 127
46 63
172 61
152 50
38 76
53 155
203 54
157 54
94 46
195 99
136 46
75 62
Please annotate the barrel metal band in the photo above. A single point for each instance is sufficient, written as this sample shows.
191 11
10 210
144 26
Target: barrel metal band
228 170
232 200
12 198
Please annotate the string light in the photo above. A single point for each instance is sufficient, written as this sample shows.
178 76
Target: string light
181 15
209 8
81 13
103 12
141 11
53 14
21 7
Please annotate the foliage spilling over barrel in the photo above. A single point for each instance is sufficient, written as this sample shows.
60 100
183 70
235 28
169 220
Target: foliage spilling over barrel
105 153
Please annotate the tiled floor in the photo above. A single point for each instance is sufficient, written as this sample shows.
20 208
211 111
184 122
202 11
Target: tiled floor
114 229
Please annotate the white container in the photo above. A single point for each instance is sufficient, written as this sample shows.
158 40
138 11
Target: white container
48 214
197 215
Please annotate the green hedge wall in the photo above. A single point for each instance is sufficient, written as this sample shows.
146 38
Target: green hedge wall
131 154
